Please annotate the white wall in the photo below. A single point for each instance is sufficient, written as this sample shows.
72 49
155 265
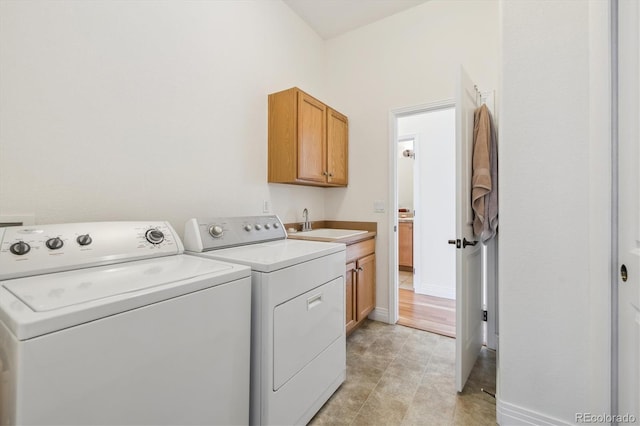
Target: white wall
554 212
434 221
407 59
147 109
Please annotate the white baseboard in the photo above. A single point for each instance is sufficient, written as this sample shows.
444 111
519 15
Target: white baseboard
445 292
380 314
511 415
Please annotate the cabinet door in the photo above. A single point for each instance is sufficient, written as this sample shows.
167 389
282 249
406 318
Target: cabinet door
365 286
350 296
312 155
337 148
405 244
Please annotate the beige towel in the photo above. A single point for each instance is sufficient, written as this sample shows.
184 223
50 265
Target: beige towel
481 171
491 200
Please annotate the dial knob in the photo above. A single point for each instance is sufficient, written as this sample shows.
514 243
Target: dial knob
216 231
54 243
248 228
275 225
20 248
84 240
258 227
154 236
267 226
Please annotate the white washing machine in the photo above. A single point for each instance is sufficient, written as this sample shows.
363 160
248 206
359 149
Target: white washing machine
298 346
110 323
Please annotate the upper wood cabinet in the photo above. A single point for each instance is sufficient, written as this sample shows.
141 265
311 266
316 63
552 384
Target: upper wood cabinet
337 147
308 141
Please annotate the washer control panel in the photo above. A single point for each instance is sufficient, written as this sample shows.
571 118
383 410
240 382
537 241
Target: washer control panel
205 234
42 249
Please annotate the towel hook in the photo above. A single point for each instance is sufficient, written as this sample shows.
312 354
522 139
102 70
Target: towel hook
478 94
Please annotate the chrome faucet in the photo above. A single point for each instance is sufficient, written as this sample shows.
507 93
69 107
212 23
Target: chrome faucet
306 226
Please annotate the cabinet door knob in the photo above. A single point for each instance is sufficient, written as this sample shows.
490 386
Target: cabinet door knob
324 173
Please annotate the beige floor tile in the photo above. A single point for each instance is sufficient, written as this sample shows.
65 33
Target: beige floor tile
360 370
403 367
432 405
405 280
345 403
399 375
381 409
470 410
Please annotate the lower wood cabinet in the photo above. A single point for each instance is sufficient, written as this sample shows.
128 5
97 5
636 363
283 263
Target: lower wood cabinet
360 282
405 245
365 286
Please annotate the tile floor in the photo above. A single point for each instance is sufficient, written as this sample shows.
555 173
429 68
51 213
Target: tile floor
402 376
405 280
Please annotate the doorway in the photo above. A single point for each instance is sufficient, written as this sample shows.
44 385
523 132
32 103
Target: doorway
425 219
470 274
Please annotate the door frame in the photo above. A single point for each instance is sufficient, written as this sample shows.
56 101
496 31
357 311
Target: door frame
394 115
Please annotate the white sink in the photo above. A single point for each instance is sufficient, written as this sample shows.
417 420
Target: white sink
329 233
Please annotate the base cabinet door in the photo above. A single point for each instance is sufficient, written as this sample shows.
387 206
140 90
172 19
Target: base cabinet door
366 286
350 297
405 243
360 282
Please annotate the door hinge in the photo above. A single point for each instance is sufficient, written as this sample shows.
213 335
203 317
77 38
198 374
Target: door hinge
484 315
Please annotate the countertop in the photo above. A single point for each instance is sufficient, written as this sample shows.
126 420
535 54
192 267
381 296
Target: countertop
346 240
370 227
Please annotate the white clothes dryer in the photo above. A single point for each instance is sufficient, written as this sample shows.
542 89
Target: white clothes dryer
110 323
298 346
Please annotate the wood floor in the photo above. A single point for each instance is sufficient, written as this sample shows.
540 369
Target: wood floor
428 313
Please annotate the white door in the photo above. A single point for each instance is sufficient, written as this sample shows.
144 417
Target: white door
629 211
468 257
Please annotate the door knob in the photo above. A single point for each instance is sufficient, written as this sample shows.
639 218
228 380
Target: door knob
455 242
623 273
466 243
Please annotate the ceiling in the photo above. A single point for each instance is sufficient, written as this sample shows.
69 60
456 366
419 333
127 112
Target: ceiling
331 18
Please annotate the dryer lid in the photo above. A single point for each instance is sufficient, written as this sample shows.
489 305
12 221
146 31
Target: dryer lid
271 256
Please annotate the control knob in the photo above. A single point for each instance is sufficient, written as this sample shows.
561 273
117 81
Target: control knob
154 236
84 240
216 231
20 248
248 228
54 243
258 227
267 226
275 225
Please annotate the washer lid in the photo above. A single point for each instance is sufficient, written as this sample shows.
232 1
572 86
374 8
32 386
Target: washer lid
41 304
49 292
269 257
